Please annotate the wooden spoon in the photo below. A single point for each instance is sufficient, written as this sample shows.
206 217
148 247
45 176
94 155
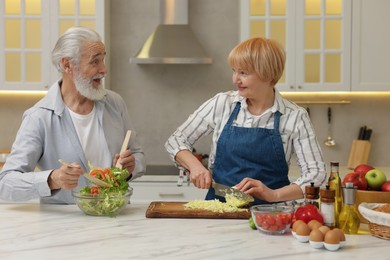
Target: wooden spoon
124 147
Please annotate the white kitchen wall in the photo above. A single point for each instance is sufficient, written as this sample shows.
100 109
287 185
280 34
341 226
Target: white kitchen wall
160 97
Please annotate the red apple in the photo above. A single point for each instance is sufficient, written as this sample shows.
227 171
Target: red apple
357 179
363 168
385 186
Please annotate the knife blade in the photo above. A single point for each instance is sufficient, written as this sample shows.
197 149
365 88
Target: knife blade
223 190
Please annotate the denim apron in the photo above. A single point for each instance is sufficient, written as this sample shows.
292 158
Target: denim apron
249 152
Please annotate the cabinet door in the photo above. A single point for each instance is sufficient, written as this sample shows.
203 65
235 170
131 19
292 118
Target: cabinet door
315 35
370 45
29 30
24 44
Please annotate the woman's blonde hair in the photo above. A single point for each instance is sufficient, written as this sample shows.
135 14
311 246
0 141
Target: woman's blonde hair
265 57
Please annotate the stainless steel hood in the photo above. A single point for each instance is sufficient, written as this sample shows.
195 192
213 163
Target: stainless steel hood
173 41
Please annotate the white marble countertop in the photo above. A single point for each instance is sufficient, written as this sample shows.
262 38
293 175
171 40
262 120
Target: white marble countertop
34 231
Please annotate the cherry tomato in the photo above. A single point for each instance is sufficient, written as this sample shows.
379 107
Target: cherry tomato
94 190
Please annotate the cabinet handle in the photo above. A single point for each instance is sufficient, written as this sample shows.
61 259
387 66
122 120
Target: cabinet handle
299 87
291 87
181 194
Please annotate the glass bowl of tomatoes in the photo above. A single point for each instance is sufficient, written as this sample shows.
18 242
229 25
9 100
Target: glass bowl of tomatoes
272 219
102 203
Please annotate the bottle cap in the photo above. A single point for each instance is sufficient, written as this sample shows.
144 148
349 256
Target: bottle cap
327 195
312 192
349 193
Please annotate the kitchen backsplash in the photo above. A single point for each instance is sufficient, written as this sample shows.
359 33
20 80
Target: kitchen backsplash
161 97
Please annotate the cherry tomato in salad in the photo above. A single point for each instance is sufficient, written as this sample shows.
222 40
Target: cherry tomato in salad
94 190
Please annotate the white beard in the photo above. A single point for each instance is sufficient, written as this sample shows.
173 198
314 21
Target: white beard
85 87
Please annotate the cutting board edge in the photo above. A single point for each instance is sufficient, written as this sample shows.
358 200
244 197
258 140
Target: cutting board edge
202 214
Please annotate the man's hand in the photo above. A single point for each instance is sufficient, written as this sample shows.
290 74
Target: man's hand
127 160
65 177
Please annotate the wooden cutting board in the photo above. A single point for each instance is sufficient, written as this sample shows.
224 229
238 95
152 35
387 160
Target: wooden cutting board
164 209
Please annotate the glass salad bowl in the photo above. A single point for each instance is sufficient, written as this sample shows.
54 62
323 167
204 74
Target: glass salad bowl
272 219
107 204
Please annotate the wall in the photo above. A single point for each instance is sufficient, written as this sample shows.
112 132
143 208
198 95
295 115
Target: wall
160 97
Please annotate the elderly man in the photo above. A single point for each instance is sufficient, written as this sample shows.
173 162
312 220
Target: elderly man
78 121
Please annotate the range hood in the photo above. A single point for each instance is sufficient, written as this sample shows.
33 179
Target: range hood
173 41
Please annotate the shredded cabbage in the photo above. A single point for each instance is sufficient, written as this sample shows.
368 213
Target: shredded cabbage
215 205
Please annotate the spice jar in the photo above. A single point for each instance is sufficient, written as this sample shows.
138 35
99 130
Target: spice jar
327 206
312 195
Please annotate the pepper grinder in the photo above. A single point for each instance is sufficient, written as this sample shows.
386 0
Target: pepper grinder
349 220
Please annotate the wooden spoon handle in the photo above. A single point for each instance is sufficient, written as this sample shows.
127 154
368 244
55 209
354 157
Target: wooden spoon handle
124 147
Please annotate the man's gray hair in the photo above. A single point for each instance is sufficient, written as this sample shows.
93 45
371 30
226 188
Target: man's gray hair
70 43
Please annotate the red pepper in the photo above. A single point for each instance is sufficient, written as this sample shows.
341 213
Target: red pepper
307 213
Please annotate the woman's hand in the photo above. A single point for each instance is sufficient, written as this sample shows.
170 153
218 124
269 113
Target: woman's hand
257 189
200 177
126 159
65 177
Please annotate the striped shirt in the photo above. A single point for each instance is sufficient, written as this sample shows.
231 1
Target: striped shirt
296 130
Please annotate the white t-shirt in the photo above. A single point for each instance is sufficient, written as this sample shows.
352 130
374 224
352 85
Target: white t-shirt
92 139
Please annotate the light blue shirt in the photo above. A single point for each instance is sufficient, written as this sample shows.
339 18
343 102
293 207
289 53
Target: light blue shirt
47 134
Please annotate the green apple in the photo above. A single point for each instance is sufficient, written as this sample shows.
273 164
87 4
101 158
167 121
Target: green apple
375 178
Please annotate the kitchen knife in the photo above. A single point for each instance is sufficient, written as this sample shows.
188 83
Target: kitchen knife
367 134
223 190
361 133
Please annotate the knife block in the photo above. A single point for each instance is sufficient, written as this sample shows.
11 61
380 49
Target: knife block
360 150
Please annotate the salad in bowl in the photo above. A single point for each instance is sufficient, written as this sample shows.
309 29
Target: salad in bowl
105 201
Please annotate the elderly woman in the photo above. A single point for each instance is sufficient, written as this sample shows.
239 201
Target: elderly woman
255 132
78 121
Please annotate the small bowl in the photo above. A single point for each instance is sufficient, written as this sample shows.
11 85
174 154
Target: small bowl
272 219
316 245
100 205
332 247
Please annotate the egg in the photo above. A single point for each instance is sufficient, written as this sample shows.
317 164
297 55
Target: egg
316 239
342 237
316 235
324 229
314 224
303 230
296 224
302 233
332 237
332 240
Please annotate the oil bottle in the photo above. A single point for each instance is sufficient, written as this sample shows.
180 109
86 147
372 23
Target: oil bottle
334 183
349 220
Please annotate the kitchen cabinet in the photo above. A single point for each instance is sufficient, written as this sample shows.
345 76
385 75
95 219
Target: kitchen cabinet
29 30
147 191
316 35
370 45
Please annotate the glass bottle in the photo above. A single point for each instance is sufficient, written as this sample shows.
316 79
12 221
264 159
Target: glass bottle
312 195
349 220
327 207
334 183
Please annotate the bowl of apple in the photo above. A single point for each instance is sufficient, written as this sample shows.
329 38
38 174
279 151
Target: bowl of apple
373 186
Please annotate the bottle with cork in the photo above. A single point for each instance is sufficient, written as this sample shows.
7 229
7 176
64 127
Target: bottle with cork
334 183
327 206
312 195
